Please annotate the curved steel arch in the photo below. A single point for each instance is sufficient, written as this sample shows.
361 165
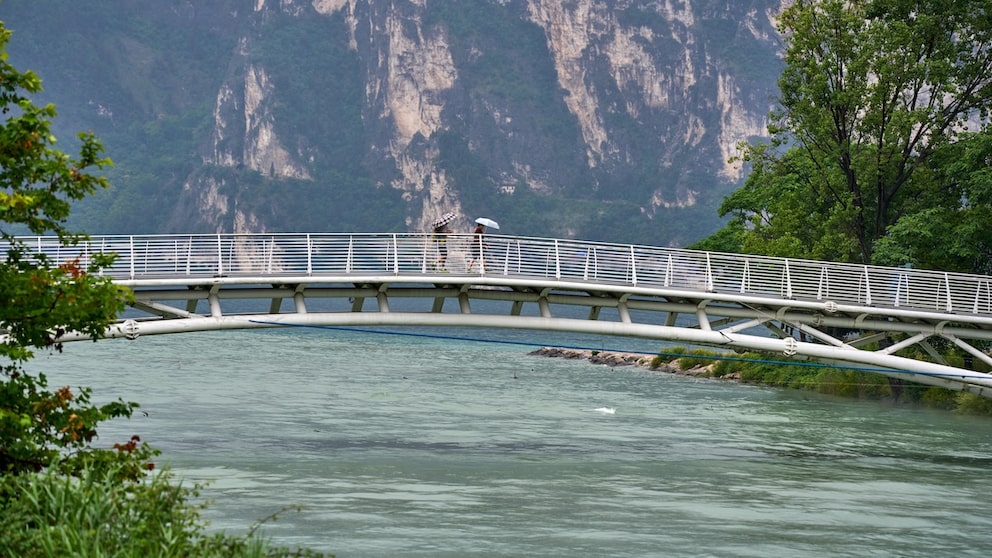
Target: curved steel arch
892 366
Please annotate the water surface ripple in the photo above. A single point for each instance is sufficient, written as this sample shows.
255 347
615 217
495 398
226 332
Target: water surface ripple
413 446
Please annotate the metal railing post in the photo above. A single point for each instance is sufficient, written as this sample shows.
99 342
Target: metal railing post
823 288
787 278
269 250
220 257
900 294
867 287
351 252
978 296
947 282
189 255
709 273
309 255
633 267
396 256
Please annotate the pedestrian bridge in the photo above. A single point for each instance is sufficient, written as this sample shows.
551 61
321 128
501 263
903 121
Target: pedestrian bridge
902 323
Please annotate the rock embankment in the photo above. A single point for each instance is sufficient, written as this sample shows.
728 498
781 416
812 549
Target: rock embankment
611 358
597 357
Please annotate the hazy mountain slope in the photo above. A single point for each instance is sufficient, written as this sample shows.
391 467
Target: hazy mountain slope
608 119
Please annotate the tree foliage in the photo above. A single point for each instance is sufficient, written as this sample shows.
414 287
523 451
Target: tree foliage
40 300
60 495
950 227
877 98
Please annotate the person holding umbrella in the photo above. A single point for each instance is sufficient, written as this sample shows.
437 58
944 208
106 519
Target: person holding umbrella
441 231
478 240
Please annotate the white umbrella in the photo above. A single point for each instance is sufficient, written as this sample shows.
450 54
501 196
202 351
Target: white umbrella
487 223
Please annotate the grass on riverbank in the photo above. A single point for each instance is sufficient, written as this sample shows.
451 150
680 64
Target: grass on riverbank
755 368
48 514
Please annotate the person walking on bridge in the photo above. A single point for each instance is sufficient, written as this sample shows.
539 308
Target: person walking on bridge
478 242
476 247
441 230
441 241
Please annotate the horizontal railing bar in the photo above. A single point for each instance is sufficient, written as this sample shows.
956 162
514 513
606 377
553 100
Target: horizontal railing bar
416 254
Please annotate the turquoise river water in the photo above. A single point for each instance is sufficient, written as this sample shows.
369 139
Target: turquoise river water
412 446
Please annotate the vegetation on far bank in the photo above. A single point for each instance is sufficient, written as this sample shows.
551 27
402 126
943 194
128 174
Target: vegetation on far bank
879 153
880 143
756 368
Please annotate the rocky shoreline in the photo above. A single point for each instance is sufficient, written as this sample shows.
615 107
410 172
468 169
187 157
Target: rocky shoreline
611 358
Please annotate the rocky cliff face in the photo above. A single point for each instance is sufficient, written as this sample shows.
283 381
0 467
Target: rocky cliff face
601 119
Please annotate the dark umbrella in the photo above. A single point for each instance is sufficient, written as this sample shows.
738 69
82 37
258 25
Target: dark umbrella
443 220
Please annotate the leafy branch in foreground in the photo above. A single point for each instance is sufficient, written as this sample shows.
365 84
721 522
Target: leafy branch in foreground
39 300
60 495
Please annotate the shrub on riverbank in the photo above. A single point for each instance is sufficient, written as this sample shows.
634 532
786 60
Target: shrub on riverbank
95 514
755 368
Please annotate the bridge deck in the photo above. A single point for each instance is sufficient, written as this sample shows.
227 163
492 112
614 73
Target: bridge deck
829 312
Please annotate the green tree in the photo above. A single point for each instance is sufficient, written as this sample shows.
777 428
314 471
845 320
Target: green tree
39 300
872 93
949 229
59 494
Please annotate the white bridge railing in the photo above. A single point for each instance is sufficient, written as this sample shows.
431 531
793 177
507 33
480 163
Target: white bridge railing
413 255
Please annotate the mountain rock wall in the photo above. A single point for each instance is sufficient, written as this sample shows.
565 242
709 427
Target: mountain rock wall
602 119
